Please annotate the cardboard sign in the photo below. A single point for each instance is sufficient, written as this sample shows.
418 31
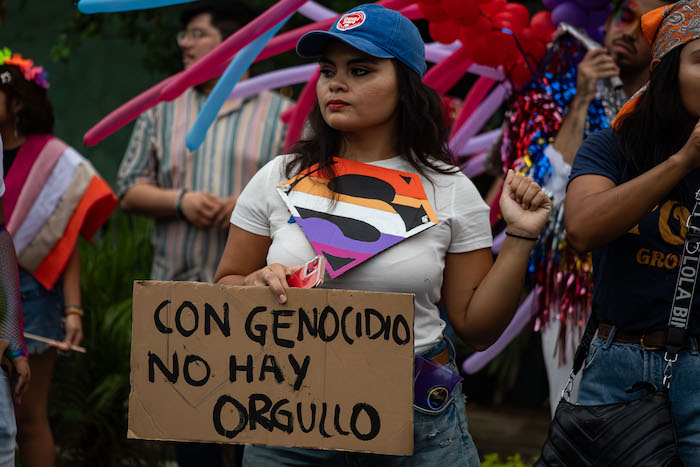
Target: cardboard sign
330 369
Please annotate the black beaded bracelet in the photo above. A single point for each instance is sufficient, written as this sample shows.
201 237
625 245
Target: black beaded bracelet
532 239
178 204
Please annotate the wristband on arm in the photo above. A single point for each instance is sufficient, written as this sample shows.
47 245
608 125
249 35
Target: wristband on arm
178 204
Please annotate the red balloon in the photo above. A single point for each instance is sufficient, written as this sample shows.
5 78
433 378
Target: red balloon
505 20
493 7
459 8
433 12
431 2
466 12
519 12
536 50
470 33
493 49
446 32
520 74
480 50
526 35
505 42
542 26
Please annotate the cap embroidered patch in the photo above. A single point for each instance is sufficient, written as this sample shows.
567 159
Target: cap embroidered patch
351 21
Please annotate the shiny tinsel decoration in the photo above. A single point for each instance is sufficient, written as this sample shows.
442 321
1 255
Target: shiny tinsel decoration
562 276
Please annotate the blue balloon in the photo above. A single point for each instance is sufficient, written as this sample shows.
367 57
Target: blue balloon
225 85
110 6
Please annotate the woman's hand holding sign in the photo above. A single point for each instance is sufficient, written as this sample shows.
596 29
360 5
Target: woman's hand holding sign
274 275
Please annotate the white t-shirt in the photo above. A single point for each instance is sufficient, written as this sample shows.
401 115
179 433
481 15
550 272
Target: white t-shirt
414 265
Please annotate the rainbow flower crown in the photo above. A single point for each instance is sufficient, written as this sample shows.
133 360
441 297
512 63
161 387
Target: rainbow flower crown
26 66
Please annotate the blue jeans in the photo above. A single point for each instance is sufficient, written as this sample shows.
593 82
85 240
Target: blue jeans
438 439
42 310
612 367
8 427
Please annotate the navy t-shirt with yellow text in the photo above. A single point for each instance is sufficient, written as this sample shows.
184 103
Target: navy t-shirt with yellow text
635 275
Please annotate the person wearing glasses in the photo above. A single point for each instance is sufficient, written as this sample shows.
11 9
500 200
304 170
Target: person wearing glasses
191 194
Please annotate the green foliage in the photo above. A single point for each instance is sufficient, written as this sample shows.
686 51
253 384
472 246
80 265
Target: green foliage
155 29
88 406
494 460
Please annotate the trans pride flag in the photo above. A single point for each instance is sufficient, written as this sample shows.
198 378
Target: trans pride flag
52 195
358 212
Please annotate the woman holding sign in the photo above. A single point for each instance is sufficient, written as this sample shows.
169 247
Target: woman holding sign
391 214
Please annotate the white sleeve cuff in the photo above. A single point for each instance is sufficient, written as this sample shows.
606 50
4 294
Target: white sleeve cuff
556 184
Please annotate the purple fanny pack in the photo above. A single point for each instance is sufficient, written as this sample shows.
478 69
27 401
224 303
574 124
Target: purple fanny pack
432 384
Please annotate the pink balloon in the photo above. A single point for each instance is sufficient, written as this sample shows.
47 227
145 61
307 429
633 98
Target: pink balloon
498 242
479 143
525 313
479 118
125 113
288 40
413 12
316 12
301 111
474 97
445 74
475 165
273 80
231 46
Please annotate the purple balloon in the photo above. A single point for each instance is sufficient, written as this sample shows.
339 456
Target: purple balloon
596 33
552 4
597 18
572 13
523 315
593 4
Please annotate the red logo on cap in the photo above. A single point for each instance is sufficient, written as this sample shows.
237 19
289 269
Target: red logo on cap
351 21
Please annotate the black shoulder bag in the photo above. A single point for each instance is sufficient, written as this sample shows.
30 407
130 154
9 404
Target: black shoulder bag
639 432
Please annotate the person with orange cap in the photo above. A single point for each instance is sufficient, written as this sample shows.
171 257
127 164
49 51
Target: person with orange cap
633 197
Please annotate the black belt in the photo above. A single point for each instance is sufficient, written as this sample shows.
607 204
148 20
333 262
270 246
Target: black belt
650 340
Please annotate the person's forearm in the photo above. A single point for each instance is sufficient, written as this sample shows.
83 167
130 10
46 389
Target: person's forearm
71 279
597 219
496 298
150 200
570 135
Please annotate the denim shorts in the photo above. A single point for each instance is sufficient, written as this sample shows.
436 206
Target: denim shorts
613 367
438 438
8 427
42 310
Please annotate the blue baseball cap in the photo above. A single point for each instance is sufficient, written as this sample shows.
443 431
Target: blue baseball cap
376 31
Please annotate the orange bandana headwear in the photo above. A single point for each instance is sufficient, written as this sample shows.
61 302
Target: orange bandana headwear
665 29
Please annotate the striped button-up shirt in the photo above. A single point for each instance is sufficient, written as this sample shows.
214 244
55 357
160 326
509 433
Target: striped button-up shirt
244 137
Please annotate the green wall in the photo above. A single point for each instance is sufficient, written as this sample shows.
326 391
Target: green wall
100 75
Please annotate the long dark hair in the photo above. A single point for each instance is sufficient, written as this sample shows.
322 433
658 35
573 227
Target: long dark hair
659 126
36 113
421 126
